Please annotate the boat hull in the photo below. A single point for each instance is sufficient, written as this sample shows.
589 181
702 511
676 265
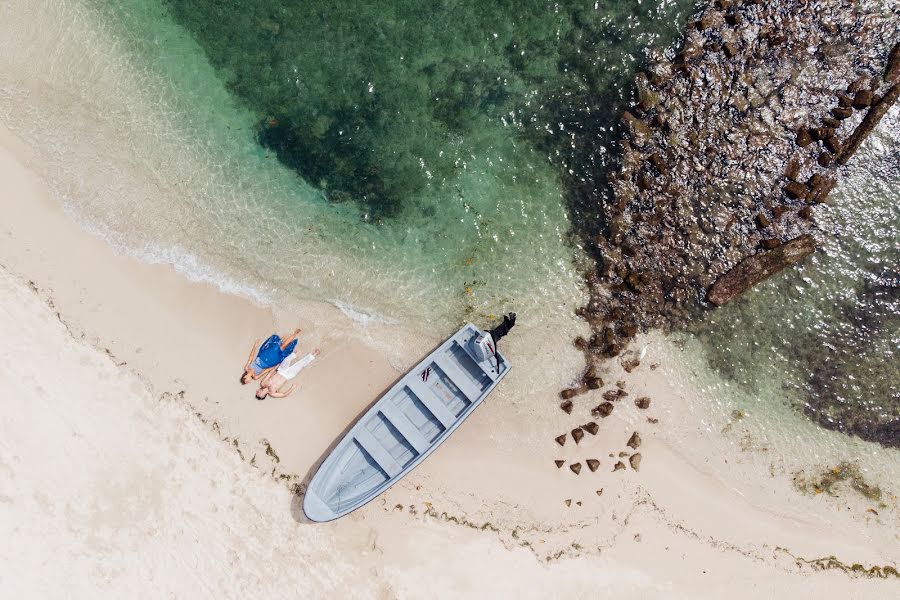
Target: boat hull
404 427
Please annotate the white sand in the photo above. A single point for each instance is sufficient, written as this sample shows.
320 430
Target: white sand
108 488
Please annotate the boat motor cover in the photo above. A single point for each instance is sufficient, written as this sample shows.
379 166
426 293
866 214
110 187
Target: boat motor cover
483 346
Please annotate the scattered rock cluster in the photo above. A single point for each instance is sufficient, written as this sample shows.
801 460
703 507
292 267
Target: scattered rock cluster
728 149
592 427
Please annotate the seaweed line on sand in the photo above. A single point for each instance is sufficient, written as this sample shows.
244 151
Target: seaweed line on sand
857 570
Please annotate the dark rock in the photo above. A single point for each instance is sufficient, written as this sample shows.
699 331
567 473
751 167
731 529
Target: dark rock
804 138
770 243
759 267
561 440
575 468
704 22
568 501
793 169
640 131
795 190
593 464
567 407
614 395
652 420
631 364
762 221
816 180
634 441
833 144
592 428
577 434
841 112
831 122
559 463
658 163
805 213
581 343
869 122
863 99
821 133
568 393
600 492
635 461
603 410
619 466
858 84
733 18
594 383
778 211
643 402
844 99
892 70
825 159
729 49
823 187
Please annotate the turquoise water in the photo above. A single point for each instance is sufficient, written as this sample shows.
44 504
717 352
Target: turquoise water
406 160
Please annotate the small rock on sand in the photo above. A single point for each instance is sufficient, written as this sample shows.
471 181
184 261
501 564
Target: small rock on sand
634 441
561 440
652 420
619 466
594 383
577 434
559 463
566 407
614 395
567 393
631 364
593 464
591 428
643 402
603 410
568 501
635 461
575 468
600 492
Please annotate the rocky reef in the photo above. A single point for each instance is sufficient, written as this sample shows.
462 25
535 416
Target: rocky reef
730 146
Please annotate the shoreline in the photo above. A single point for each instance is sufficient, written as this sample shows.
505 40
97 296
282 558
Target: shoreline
129 311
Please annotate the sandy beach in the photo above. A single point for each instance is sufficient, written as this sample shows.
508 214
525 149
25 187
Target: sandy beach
134 459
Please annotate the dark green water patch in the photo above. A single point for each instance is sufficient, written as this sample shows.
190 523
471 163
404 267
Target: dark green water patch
377 102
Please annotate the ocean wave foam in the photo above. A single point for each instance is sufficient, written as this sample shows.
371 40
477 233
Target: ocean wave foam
185 262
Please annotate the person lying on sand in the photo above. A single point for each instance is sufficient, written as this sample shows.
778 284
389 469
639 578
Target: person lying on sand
263 359
287 370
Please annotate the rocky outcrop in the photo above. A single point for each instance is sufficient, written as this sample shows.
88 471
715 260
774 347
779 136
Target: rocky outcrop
731 145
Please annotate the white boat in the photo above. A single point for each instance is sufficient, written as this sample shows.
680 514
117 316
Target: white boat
406 425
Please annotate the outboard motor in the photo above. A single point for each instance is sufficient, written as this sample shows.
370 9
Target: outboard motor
483 347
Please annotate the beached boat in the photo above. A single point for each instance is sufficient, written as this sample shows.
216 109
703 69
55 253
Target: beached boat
406 425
